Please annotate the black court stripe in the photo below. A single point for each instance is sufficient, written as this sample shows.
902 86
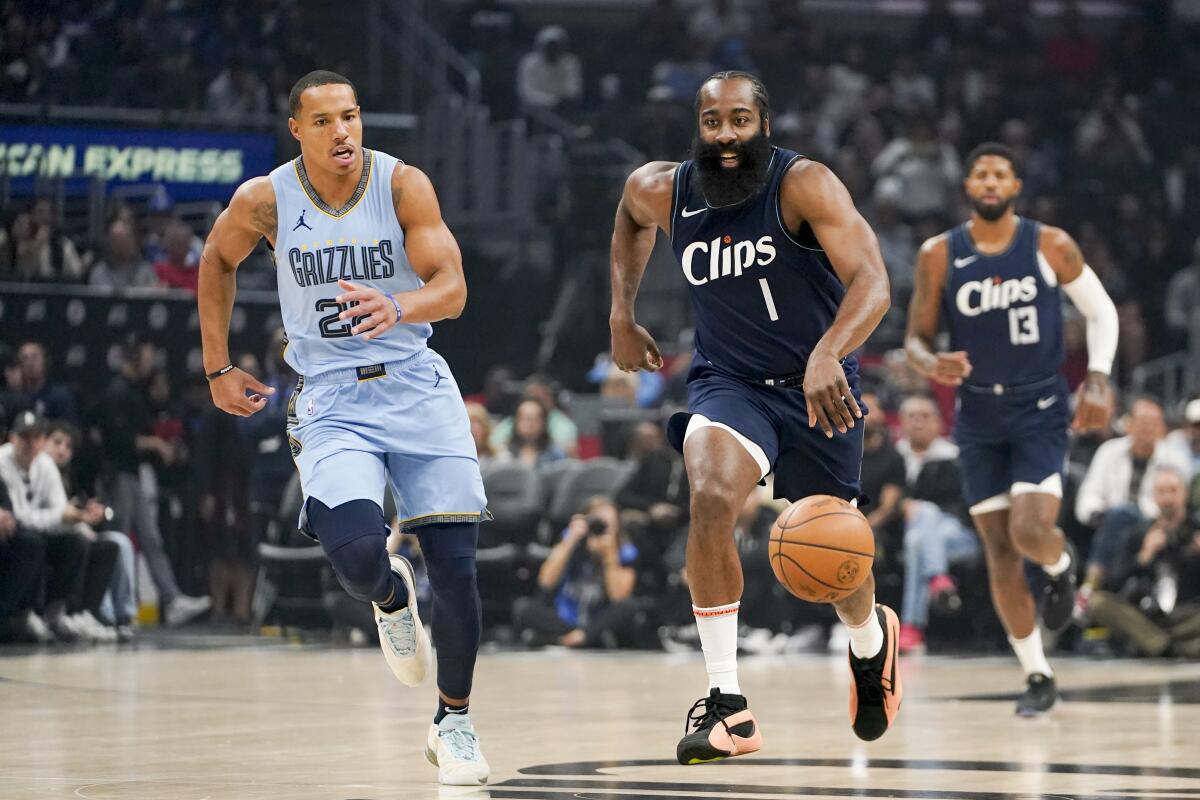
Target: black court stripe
567 788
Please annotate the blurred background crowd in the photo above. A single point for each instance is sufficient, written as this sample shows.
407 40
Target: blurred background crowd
129 499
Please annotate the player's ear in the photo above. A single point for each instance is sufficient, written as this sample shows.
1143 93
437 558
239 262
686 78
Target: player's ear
1018 185
766 127
294 127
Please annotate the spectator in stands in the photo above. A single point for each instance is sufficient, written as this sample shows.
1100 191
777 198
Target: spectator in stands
34 249
1186 440
123 266
563 431
883 474
664 126
34 391
587 585
926 169
265 434
716 20
1110 139
223 459
550 76
1182 303
22 564
237 92
1117 492
1152 598
1071 52
654 497
481 432
937 530
118 426
81 568
1181 190
174 270
119 606
531 443
913 92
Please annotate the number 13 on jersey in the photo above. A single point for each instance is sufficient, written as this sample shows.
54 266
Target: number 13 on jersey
1023 325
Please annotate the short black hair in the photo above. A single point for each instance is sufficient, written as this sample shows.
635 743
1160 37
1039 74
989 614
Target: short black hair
760 92
992 149
318 77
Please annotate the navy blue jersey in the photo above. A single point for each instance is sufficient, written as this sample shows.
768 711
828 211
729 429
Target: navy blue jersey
762 297
1004 310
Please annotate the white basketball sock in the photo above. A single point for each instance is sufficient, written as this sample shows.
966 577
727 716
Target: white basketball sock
1060 566
866 638
718 628
1031 655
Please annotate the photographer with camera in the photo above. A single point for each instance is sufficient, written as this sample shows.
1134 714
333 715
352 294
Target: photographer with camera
587 584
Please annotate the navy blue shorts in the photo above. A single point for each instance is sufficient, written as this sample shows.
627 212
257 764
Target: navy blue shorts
803 460
1016 437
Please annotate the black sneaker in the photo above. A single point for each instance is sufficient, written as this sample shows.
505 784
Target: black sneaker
1039 697
721 726
1058 596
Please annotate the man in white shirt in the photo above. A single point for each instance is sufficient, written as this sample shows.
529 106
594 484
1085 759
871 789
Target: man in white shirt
1117 492
40 506
549 76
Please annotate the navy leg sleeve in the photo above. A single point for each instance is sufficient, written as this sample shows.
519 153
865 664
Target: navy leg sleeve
449 552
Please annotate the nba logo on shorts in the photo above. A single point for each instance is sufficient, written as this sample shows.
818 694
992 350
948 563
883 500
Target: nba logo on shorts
311 407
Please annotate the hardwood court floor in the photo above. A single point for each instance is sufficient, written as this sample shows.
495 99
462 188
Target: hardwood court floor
297 723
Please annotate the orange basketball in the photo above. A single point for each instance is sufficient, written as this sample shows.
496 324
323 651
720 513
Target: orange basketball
821 548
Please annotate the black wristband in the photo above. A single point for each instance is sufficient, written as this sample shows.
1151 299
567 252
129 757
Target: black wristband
218 373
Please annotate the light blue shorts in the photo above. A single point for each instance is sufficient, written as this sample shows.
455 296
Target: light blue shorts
355 431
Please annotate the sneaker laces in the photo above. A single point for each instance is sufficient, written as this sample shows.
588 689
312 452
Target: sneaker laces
713 710
462 743
870 681
401 633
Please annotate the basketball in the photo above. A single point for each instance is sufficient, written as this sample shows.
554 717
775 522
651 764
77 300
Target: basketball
821 548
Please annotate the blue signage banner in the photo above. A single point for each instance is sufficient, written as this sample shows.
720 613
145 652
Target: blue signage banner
191 165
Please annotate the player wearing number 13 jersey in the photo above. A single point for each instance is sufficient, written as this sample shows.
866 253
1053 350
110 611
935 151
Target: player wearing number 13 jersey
364 265
998 280
786 281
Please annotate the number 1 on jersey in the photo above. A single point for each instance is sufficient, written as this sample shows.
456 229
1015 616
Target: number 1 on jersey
766 290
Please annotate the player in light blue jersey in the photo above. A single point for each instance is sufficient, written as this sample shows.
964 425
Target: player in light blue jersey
365 264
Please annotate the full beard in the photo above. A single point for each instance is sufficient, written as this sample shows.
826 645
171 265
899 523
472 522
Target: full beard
723 186
991 213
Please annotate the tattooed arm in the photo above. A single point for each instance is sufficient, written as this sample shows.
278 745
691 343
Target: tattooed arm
250 216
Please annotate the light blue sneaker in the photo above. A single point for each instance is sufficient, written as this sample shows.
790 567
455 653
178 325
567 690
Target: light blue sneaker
453 747
403 638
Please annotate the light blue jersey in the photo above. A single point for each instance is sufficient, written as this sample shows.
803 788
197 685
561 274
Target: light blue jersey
367 415
317 245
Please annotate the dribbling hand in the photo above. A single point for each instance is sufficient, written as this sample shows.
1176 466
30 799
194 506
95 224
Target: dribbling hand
633 348
229 393
374 311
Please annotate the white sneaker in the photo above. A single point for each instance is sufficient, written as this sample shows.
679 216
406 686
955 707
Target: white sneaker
31 626
402 637
453 748
93 628
66 628
185 608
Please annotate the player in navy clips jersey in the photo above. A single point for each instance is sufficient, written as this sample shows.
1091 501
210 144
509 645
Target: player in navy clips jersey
996 280
786 281
365 264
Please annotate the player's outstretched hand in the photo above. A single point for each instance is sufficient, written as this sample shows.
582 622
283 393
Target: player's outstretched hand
827 394
950 369
374 312
239 393
633 348
1094 404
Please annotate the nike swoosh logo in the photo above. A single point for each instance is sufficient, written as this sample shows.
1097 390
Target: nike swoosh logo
962 262
1046 402
686 213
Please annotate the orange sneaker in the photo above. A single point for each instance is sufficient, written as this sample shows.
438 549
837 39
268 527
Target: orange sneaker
723 728
876 689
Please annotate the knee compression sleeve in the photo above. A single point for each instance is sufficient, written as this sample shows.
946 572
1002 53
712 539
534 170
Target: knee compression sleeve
354 538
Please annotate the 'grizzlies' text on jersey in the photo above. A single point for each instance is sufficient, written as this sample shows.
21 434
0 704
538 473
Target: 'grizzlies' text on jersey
762 298
1004 310
316 245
